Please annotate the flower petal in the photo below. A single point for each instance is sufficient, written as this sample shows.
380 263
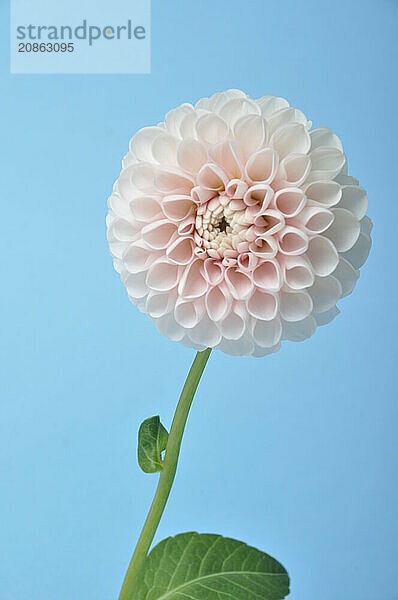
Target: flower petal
291 139
344 230
295 306
355 200
250 133
192 283
178 207
262 305
347 276
325 292
162 275
239 283
267 333
323 255
217 302
326 163
324 193
267 276
262 166
292 241
181 251
290 202
191 155
325 137
158 235
211 129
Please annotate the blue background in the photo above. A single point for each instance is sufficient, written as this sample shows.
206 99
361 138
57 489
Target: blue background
295 453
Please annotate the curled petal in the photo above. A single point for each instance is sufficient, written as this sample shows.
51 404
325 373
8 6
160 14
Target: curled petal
139 176
188 313
267 333
201 195
146 208
347 276
173 181
269 221
323 255
290 201
263 247
236 108
211 129
124 230
217 302
168 326
187 226
262 305
226 154
162 276
267 276
181 251
294 170
259 196
193 284
290 139
298 272
139 257
326 163
178 207
158 235
358 254
136 285
187 127
164 149
219 99
247 261
141 142
292 241
262 166
213 271
325 137
286 116
118 206
191 155
344 230
269 105
250 133
233 326
324 193
206 333
314 219
236 188
325 292
298 331
159 305
295 306
239 283
175 117
327 316
212 177
355 200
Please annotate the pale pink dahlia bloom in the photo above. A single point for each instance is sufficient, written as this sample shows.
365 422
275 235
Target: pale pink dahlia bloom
235 226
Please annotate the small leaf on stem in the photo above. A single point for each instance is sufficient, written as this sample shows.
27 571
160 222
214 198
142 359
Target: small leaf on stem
152 441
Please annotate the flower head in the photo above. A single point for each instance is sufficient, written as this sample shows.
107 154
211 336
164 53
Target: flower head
235 226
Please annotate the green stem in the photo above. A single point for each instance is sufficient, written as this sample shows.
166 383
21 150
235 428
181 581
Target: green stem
167 474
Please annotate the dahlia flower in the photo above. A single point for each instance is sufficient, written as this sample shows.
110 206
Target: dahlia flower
233 225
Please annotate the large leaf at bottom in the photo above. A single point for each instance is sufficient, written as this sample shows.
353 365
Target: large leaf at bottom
193 566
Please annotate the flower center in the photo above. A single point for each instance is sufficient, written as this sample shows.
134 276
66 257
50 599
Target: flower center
221 227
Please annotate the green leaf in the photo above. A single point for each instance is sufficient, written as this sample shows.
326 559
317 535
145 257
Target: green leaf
210 567
152 440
